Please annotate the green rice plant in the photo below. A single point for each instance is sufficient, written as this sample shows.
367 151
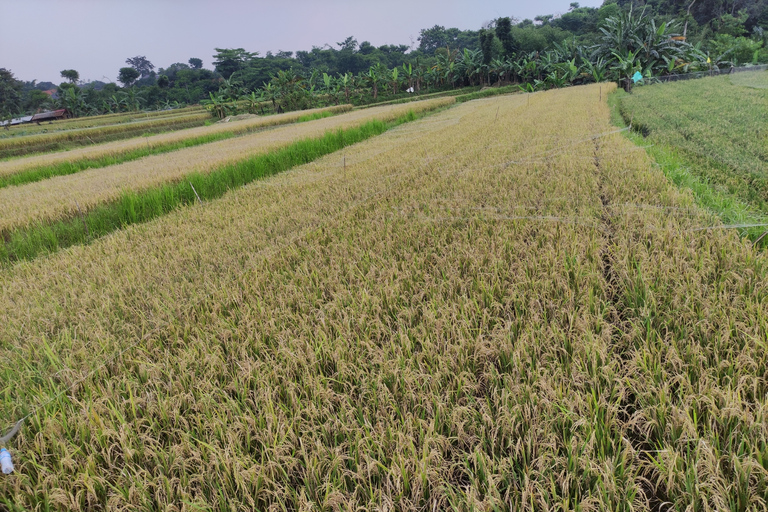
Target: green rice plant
714 126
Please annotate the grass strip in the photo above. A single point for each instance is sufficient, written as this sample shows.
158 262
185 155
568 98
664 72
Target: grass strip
135 207
72 167
676 165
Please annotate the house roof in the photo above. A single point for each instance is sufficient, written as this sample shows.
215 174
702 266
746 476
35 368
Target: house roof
17 120
50 115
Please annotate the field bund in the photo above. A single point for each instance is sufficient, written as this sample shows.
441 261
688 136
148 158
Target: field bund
65 196
504 306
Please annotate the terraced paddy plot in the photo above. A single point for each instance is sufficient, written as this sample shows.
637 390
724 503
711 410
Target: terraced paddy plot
43 142
65 196
93 155
718 125
503 306
91 121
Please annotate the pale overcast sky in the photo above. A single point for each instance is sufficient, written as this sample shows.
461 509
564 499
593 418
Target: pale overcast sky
39 38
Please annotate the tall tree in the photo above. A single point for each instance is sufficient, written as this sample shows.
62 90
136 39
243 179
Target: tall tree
141 64
229 60
127 76
10 94
486 45
504 33
431 39
71 75
195 63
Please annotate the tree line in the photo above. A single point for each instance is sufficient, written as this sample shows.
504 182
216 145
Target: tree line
612 42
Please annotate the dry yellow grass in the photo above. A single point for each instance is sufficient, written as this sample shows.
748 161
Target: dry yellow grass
123 146
60 196
501 307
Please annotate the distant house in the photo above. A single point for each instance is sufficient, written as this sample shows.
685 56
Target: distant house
50 116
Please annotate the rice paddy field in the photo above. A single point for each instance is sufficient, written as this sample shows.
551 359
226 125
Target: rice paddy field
64 196
91 121
40 166
717 126
69 138
504 305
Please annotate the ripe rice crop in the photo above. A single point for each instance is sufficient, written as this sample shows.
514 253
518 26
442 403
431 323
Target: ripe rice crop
91 121
501 307
16 146
143 206
65 196
38 167
718 125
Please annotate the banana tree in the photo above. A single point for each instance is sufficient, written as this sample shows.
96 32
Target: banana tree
252 102
331 88
408 74
569 70
556 79
598 69
73 100
271 93
374 77
472 66
346 82
133 99
394 80
626 66
218 105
